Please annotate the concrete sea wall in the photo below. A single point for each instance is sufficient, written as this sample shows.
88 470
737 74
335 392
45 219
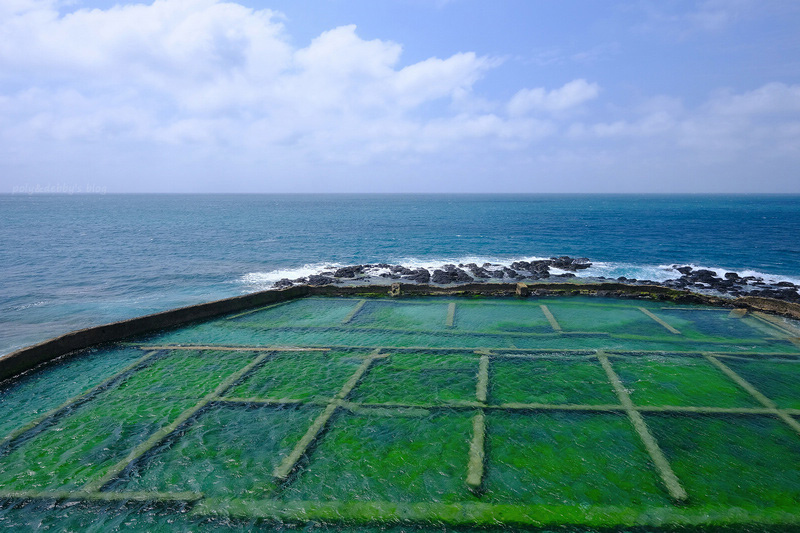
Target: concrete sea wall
32 356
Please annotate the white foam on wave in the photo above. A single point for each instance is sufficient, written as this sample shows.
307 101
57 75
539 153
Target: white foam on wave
614 270
720 272
25 306
255 281
437 263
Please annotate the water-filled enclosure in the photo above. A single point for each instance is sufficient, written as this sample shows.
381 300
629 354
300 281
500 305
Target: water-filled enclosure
383 413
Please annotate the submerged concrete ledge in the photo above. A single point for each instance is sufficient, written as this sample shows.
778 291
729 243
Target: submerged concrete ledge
29 357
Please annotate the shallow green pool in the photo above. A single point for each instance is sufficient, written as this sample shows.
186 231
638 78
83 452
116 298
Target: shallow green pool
406 414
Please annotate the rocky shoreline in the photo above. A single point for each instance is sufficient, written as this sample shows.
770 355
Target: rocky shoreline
702 281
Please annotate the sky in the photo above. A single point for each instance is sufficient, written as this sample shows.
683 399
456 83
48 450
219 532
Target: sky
413 96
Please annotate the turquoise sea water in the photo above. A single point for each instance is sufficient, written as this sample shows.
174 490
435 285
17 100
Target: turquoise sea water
72 261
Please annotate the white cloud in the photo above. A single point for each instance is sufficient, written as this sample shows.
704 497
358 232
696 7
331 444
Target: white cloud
760 124
768 99
570 95
208 71
204 84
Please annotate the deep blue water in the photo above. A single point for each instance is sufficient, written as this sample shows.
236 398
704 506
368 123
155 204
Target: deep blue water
68 262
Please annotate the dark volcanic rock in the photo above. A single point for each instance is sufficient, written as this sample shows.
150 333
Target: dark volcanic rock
683 269
349 271
283 283
317 280
540 269
581 263
704 274
440 276
400 269
567 263
450 274
478 272
420 275
462 277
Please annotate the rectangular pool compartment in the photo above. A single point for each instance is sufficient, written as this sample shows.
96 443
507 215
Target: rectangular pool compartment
299 375
34 395
744 461
552 458
777 380
604 316
419 315
389 457
501 317
216 454
411 378
717 324
78 447
556 380
659 380
306 312
184 373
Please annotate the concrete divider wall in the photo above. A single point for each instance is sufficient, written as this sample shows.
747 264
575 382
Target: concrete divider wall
31 356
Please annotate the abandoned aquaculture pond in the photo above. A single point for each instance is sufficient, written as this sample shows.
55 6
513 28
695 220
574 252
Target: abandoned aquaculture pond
437 410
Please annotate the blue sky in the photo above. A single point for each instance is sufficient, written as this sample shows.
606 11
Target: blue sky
400 96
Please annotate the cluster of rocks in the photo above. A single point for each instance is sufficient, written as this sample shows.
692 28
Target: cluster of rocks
699 280
447 274
733 284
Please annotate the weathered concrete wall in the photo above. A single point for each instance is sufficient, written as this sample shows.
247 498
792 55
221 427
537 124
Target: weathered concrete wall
768 305
31 356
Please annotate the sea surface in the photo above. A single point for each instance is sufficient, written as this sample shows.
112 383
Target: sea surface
73 261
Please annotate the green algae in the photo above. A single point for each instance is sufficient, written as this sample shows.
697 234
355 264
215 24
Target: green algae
388 459
726 461
658 380
778 380
216 455
415 316
32 396
299 376
549 381
555 458
559 449
79 447
419 378
508 317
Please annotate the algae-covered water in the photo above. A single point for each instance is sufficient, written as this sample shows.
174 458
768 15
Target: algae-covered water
405 414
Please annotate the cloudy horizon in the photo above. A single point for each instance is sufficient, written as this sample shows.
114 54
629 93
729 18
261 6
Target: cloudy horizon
404 96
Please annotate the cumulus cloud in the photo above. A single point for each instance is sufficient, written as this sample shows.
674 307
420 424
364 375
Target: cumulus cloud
207 71
211 85
570 95
771 98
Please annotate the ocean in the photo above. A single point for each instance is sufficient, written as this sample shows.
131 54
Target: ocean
73 261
